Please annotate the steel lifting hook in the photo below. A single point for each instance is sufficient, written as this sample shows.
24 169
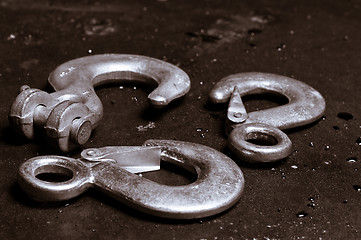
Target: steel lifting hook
305 105
70 113
219 183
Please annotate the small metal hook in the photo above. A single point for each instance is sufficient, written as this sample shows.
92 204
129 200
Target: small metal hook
70 113
305 105
219 183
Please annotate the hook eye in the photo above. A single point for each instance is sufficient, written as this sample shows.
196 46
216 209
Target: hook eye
256 142
53 173
53 178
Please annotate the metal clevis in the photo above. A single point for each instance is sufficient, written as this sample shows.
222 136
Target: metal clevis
218 186
305 105
69 114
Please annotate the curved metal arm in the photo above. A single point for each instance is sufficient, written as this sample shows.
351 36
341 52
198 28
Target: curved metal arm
69 114
219 183
100 69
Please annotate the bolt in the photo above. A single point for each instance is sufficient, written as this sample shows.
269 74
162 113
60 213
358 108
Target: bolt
24 87
90 153
237 115
80 131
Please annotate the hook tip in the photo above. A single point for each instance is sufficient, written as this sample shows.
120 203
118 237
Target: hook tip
218 97
158 100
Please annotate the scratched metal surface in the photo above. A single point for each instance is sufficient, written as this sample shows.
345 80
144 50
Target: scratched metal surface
315 193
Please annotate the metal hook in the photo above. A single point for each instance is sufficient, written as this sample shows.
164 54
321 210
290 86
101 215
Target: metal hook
70 113
219 183
305 105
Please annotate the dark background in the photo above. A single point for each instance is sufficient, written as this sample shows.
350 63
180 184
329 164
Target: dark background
314 193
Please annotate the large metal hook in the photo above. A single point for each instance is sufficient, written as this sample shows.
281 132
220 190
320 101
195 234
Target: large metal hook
218 186
305 105
70 113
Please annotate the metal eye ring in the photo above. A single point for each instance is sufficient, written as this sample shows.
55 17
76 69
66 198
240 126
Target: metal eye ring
278 145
